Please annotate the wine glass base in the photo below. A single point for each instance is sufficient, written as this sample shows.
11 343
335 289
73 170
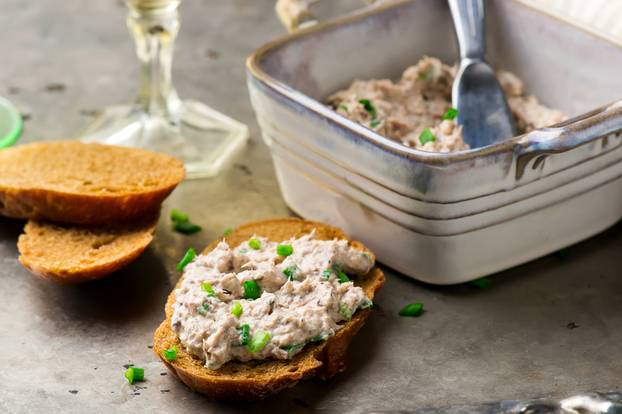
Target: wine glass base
202 138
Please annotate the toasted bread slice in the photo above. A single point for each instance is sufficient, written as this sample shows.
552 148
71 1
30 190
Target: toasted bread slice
87 184
70 254
258 379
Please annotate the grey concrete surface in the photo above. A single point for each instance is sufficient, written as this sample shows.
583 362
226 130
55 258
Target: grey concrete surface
62 349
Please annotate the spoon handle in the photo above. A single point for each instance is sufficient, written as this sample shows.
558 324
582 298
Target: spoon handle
468 16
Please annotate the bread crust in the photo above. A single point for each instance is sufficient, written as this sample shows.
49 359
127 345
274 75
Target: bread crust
124 245
253 380
36 198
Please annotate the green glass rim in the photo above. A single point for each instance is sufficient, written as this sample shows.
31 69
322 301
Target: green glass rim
16 121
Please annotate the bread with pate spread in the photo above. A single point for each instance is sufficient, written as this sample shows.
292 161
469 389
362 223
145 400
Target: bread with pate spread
245 376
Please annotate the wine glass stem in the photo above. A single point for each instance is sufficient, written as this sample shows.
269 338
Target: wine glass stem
154 30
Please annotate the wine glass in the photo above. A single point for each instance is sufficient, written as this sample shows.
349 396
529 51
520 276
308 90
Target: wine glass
201 137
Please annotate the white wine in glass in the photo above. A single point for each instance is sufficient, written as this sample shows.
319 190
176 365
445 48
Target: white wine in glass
198 135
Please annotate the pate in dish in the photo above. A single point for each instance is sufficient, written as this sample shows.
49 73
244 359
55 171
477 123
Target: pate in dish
416 110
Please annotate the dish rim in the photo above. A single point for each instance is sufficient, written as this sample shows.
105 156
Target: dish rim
517 143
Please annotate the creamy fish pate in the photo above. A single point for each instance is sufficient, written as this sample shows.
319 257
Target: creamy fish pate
416 109
264 299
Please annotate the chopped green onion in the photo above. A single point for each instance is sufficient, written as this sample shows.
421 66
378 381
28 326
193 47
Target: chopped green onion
236 309
254 244
426 74
293 348
186 227
134 374
343 278
202 310
426 136
326 273
344 107
244 334
413 309
319 337
482 283
188 257
284 250
207 287
563 253
227 232
345 311
290 271
374 123
369 107
251 289
451 113
366 303
179 216
258 341
170 354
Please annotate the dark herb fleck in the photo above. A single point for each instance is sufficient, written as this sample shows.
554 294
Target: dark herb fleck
572 325
55 87
482 283
73 391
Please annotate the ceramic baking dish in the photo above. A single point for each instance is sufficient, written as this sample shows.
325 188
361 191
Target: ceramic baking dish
445 218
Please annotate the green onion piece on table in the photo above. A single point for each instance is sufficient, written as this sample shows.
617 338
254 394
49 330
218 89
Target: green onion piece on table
258 341
188 257
413 309
186 227
326 273
482 283
251 289
134 374
179 216
227 232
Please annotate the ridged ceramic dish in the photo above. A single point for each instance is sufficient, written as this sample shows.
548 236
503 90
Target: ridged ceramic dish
446 218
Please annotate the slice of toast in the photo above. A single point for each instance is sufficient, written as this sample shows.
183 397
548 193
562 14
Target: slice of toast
86 184
258 379
70 254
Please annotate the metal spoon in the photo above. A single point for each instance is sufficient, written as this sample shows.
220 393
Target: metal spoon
483 110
